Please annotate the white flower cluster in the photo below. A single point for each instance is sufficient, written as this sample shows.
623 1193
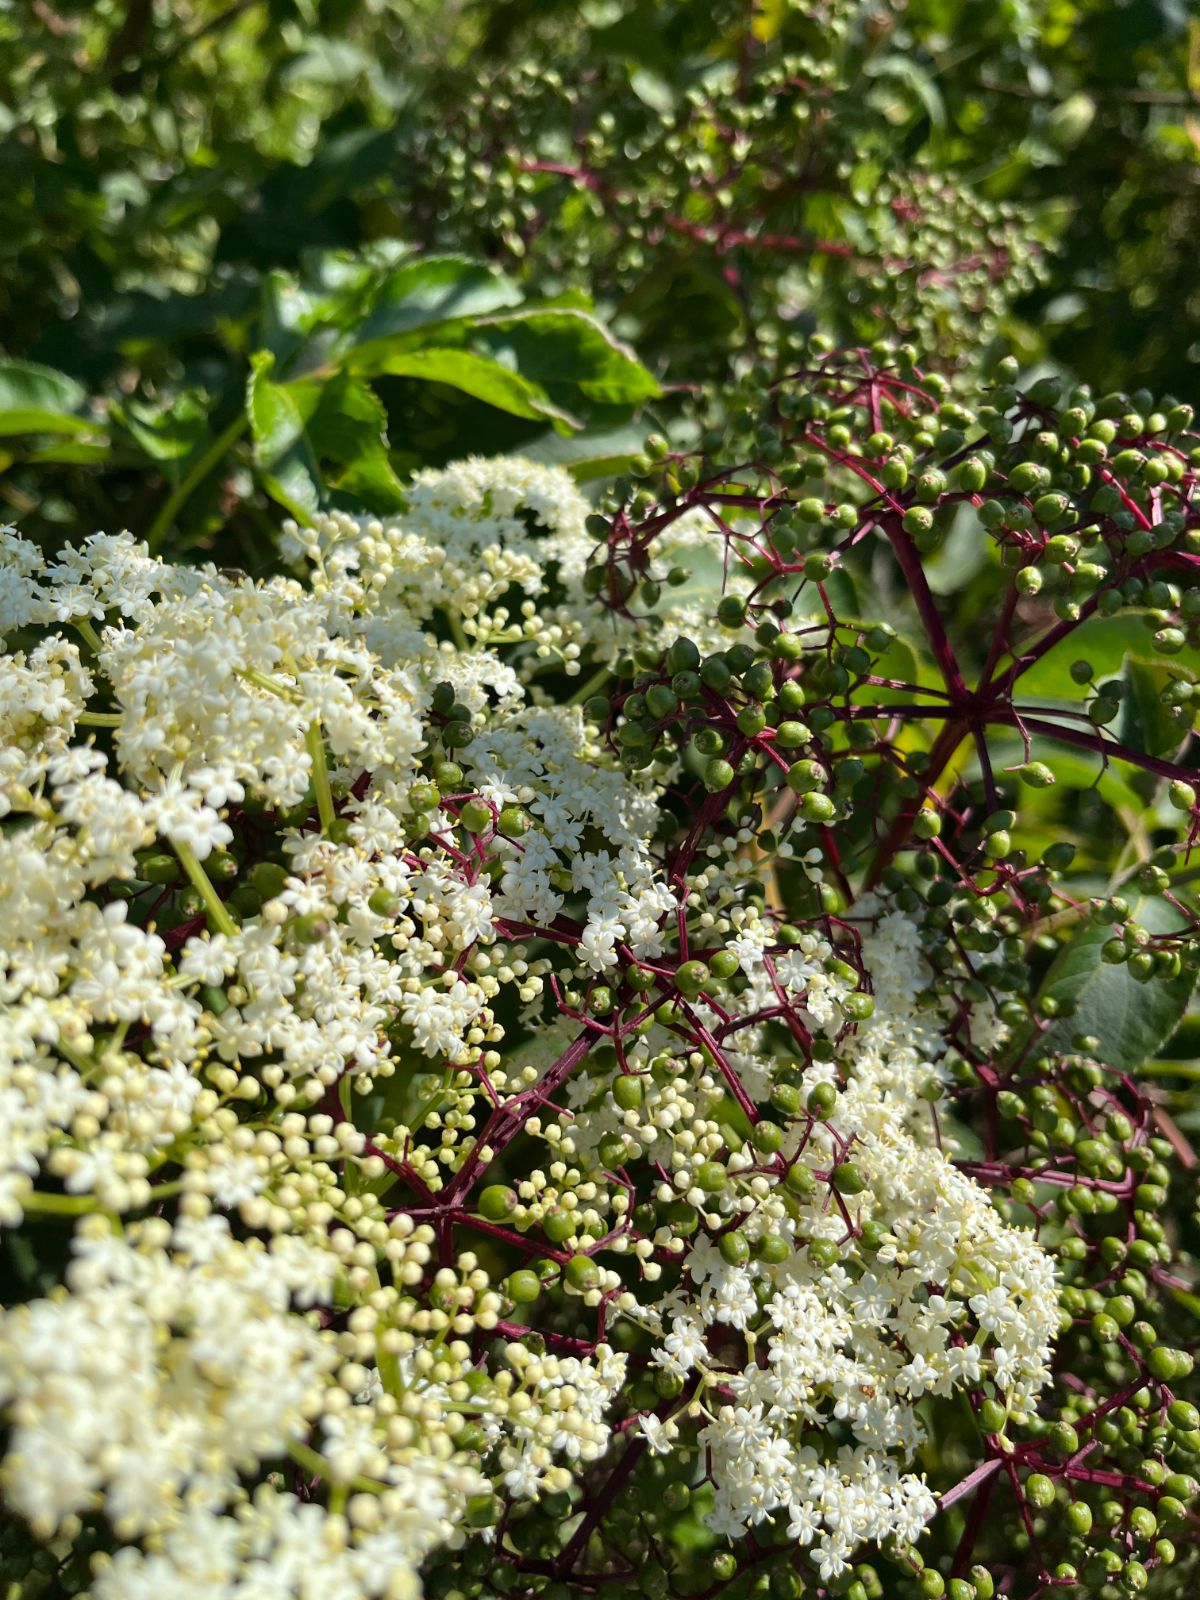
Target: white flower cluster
907 1284
171 1366
146 1060
311 909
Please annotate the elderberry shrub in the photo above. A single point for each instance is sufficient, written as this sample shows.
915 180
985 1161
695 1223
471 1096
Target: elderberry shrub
588 1050
745 177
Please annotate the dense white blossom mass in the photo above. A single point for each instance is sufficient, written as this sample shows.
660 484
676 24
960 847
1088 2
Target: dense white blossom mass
274 1366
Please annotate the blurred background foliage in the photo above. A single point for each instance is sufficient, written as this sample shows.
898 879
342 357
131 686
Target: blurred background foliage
209 208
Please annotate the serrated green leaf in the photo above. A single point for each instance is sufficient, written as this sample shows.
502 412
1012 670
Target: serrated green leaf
433 289
349 429
36 399
278 414
567 350
479 376
1132 1020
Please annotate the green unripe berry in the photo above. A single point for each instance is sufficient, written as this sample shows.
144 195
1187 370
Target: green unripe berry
1183 1415
846 1178
823 1253
1036 774
772 1249
822 1098
723 964
718 775
476 816
691 977
1079 1515
1028 581
1027 476
600 1000
816 808
523 1286
992 1417
716 673
766 1137
1059 856
985 1586
163 869
735 1249
799 1180
683 656
498 1202
859 1006
559 1226
1039 1490
661 701
805 776
785 1098
628 1091
1064 1439
927 824
310 929
582 1273
1050 509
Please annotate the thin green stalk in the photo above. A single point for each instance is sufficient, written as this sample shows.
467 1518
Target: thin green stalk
305 1456
458 633
315 746
99 719
58 1205
202 884
262 680
593 684
87 633
191 480
1172 1069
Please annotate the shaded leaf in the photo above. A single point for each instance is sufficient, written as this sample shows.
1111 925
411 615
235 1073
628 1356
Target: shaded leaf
349 428
1145 720
278 414
1105 642
1133 1020
168 433
36 399
567 350
594 453
479 376
433 289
